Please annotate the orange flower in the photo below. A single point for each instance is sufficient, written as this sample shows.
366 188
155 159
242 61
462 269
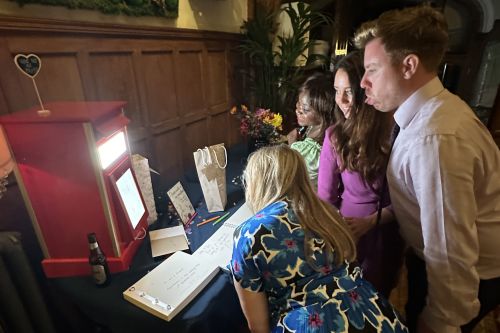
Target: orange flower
258 123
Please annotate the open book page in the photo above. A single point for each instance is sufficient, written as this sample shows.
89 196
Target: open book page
219 247
168 288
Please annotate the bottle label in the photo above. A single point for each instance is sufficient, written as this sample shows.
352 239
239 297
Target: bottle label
99 274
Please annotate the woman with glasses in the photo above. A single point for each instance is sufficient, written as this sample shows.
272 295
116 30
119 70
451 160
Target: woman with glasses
352 175
314 111
293 261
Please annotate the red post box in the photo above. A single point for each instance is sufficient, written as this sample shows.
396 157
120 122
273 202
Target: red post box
74 170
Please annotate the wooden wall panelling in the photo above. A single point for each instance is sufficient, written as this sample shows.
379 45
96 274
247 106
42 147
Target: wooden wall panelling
60 74
143 142
217 86
159 87
168 149
11 80
217 77
59 78
113 79
192 101
178 83
158 71
237 93
189 77
3 103
89 91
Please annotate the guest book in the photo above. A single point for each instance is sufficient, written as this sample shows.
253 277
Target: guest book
168 288
218 248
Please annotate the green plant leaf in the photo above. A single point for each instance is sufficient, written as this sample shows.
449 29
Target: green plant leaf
273 76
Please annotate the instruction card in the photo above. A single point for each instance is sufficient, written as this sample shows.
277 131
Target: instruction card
168 240
181 202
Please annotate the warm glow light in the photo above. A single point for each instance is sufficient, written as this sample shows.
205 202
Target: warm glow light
113 148
6 161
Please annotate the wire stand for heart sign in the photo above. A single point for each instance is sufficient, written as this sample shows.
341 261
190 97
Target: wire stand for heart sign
30 66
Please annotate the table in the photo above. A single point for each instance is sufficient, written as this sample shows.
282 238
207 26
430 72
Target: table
216 309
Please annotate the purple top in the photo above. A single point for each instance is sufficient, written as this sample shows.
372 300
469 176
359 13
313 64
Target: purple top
357 199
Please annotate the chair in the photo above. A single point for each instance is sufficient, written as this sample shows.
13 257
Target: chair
22 307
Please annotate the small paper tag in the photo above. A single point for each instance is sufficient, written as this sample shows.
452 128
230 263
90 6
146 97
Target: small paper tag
181 202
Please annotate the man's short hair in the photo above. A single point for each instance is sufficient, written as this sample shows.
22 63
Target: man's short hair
420 30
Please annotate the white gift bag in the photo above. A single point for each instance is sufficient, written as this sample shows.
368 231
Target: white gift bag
211 168
140 165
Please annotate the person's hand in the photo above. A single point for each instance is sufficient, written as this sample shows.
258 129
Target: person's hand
361 225
292 136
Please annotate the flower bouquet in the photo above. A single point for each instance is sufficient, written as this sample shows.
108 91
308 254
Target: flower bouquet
259 125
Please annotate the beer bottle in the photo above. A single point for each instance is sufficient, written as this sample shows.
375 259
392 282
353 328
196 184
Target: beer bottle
98 262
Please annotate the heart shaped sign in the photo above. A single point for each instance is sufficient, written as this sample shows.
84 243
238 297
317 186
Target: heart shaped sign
28 64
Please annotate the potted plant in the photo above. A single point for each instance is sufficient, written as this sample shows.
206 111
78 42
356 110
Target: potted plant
273 76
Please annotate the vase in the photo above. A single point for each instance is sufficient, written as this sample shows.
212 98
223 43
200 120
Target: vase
256 143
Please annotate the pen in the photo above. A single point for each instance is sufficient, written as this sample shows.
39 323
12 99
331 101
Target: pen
221 218
209 220
191 218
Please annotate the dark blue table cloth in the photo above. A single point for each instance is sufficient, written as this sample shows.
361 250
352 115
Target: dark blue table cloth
216 309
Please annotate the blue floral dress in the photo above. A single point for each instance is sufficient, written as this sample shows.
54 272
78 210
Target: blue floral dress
268 256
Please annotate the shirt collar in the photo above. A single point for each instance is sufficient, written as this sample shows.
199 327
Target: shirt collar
407 111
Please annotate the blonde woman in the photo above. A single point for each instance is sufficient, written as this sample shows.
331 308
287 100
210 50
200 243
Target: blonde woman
292 261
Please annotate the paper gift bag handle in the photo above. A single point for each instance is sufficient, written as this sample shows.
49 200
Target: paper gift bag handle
206 158
225 156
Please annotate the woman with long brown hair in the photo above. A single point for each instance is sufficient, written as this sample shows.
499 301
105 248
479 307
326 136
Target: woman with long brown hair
351 175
